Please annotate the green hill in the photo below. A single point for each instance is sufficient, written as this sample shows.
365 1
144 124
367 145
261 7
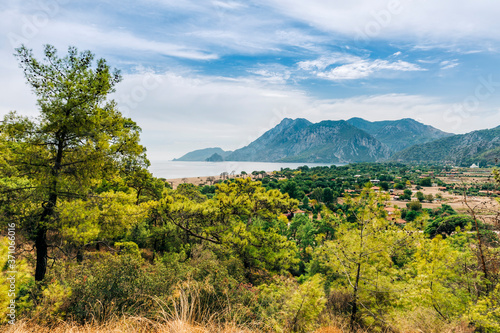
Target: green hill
463 149
399 134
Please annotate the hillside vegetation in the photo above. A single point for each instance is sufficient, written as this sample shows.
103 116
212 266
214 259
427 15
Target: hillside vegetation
480 147
95 243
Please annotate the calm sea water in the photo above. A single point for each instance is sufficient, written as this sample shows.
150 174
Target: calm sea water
172 170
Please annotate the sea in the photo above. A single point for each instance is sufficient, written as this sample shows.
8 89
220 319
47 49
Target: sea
178 169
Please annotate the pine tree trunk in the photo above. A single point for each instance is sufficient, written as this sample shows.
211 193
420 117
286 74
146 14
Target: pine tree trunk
48 212
41 253
355 297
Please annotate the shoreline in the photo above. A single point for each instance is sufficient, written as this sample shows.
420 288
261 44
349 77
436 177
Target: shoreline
209 180
193 170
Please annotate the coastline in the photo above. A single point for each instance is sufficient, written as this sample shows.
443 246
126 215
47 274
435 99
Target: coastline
208 180
199 172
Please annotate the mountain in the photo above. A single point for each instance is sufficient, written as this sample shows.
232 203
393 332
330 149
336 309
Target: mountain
203 154
276 136
399 134
463 149
215 158
301 141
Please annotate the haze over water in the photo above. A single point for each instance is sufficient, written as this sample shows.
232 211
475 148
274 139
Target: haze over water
178 169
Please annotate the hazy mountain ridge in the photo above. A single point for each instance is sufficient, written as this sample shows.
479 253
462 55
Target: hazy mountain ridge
301 141
399 134
354 140
202 154
480 146
273 144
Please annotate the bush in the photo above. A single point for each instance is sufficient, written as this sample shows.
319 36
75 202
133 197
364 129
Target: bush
116 285
426 182
415 206
287 306
411 215
446 225
22 286
128 248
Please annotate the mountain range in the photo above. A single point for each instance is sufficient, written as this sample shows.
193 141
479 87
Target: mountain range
302 141
481 147
399 134
359 140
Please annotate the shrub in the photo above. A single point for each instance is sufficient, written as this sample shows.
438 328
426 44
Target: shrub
446 225
289 307
415 206
116 284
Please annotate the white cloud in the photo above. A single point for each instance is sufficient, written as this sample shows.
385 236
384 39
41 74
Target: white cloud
187 111
364 68
272 73
448 64
184 111
229 4
353 67
181 110
430 22
324 61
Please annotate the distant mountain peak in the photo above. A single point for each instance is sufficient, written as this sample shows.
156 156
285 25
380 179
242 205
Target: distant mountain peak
399 134
299 140
328 141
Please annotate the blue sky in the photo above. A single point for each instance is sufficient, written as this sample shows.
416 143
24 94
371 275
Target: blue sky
221 72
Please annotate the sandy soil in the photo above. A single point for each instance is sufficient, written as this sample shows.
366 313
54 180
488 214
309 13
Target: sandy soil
486 208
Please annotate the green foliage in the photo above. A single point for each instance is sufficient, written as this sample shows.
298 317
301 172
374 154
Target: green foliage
485 313
411 215
317 194
289 307
384 186
115 284
399 186
226 251
448 224
78 140
107 216
15 281
236 221
52 304
361 258
414 205
443 276
290 187
129 248
426 182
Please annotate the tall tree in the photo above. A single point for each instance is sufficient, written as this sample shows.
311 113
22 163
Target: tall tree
78 139
365 256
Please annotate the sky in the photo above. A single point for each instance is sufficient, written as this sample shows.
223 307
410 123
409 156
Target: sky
219 73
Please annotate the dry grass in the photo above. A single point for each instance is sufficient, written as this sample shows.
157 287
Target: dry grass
124 325
329 329
142 325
